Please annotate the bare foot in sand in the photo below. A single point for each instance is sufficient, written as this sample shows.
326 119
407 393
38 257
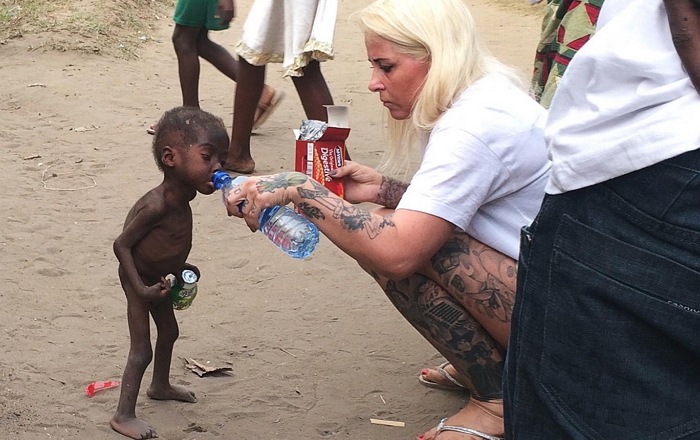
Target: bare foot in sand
173 392
243 166
486 417
132 427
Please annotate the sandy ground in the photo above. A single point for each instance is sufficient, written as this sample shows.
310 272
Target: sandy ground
315 347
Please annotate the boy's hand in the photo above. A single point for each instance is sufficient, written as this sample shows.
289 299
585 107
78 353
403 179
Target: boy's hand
191 267
226 12
157 292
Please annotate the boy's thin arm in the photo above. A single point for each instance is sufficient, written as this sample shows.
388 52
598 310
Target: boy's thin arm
684 21
143 222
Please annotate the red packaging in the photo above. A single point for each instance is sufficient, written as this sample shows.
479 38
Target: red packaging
317 158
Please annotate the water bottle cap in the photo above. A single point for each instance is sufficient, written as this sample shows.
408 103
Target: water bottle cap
189 277
219 179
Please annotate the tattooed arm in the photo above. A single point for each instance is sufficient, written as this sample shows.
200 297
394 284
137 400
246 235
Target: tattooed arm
684 21
395 248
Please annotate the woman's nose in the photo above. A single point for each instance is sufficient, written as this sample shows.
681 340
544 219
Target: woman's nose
375 83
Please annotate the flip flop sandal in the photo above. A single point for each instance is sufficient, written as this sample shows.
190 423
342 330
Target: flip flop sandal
152 129
265 110
441 369
442 427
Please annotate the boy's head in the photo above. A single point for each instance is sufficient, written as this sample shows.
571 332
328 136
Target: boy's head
183 127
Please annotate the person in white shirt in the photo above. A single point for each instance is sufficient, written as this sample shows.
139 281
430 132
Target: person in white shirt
443 248
604 342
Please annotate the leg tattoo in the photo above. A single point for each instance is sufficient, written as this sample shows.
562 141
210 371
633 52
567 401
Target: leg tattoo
480 279
452 330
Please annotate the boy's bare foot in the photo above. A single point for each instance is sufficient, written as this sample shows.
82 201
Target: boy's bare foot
132 427
173 392
243 166
486 417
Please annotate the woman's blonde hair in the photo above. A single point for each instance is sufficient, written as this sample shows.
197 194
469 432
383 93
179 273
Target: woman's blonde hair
443 33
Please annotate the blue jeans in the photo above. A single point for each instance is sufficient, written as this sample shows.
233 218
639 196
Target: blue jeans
605 339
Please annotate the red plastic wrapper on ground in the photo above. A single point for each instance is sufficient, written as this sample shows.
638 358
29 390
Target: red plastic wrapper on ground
94 387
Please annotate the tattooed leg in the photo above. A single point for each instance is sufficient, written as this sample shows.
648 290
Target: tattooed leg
480 279
452 331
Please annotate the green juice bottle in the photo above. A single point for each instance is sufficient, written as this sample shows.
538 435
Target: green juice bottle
183 294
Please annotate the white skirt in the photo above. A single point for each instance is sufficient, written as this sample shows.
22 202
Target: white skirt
291 32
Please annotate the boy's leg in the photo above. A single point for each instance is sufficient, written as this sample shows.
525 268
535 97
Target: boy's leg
252 79
314 93
168 332
124 420
217 55
185 44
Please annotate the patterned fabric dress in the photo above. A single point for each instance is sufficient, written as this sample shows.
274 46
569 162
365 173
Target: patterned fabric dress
566 27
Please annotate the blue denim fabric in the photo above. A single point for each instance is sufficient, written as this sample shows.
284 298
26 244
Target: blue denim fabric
605 339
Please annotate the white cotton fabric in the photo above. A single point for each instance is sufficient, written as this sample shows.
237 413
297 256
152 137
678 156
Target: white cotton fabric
291 32
484 168
625 102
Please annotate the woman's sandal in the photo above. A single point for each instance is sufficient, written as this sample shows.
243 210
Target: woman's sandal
442 427
441 369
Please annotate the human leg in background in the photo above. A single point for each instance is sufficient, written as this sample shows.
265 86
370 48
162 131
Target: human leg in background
313 92
217 55
185 41
244 107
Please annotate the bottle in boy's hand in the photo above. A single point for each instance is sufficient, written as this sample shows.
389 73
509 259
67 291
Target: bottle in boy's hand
182 294
291 232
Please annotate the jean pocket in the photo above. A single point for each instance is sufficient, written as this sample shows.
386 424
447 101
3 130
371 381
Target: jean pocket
620 349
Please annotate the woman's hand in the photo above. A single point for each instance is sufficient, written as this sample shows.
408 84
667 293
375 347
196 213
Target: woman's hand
365 184
259 192
361 182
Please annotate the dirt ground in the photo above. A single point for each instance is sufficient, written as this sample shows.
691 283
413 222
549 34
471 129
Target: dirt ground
315 347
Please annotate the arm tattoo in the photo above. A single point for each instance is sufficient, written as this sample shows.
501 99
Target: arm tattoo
311 211
353 219
283 180
390 192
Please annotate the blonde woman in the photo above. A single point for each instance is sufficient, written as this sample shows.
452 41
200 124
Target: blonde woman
443 247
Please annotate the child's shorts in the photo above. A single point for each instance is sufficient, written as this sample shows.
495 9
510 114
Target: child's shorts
198 14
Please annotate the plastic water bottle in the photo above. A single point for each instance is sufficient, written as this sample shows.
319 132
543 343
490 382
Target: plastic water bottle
291 232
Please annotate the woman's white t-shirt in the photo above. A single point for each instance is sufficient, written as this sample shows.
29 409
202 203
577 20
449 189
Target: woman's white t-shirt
485 168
